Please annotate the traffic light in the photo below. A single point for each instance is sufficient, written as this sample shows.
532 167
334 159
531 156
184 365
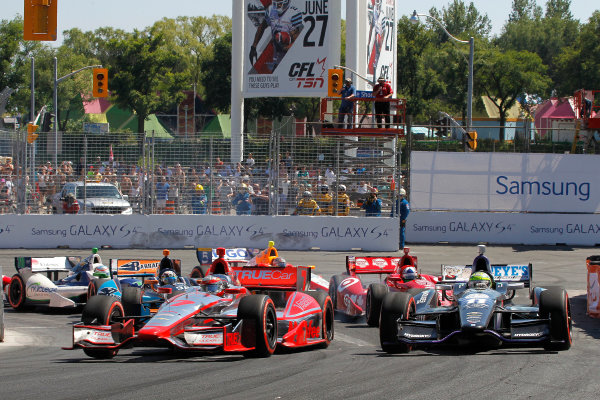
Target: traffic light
39 21
31 135
100 87
472 140
334 82
47 122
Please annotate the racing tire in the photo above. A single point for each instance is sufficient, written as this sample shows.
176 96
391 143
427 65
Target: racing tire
555 305
395 306
94 286
334 283
375 294
324 300
102 310
16 293
199 271
259 326
131 300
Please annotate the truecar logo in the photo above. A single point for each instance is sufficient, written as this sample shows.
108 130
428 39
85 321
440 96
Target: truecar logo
580 191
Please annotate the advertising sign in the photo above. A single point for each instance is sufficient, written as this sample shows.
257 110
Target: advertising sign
289 46
381 41
511 182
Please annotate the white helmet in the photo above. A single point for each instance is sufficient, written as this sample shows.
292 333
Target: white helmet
342 188
168 277
402 192
306 194
281 6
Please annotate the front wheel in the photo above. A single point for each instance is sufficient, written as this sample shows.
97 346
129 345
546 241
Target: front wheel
199 271
102 310
16 293
260 322
94 286
395 306
375 294
555 305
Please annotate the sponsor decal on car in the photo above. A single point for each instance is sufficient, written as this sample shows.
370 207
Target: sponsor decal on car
346 283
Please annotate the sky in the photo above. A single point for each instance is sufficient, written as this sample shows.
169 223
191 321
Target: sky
88 15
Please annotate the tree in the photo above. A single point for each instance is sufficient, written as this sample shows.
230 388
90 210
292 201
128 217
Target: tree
505 76
461 21
144 75
524 10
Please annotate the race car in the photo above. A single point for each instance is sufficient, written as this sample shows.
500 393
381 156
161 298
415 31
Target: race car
136 284
354 297
219 261
481 312
37 281
267 310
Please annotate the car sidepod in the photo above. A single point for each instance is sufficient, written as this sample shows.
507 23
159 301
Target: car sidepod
307 319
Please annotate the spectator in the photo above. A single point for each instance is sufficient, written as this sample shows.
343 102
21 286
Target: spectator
306 205
260 201
250 161
199 200
162 195
224 195
242 202
372 206
324 200
343 205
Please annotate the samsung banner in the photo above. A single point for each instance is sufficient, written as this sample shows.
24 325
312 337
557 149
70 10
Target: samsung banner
503 228
289 46
513 182
178 231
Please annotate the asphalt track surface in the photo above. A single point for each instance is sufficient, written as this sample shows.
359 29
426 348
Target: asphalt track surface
32 364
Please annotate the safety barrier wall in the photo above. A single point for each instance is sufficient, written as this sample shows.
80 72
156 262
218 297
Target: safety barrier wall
178 231
503 228
593 286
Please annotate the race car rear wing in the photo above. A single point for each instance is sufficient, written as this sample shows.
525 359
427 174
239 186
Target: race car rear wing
138 268
501 273
371 265
47 264
274 278
237 256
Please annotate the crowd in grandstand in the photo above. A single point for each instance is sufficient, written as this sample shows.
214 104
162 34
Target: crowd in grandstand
246 188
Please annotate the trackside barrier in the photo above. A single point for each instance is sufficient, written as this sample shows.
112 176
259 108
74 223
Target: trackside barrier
593 286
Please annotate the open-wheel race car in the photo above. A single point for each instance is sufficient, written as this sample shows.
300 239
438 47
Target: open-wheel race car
37 281
481 311
137 283
355 296
247 309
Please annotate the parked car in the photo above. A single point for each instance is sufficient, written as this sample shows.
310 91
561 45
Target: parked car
93 198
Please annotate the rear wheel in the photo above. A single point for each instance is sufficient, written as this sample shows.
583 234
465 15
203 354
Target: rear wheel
555 305
334 283
131 299
395 306
16 292
260 322
375 294
102 310
326 305
94 286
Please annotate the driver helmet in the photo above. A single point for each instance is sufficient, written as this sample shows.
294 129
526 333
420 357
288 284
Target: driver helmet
278 262
101 271
169 278
480 280
409 273
212 284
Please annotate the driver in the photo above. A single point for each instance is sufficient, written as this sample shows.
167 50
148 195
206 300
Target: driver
212 284
480 280
168 277
409 274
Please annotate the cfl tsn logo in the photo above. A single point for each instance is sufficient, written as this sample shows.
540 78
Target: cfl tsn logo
303 73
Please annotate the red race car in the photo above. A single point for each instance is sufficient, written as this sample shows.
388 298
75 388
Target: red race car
354 297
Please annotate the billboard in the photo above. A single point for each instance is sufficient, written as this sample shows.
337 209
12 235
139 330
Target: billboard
511 182
381 40
289 45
